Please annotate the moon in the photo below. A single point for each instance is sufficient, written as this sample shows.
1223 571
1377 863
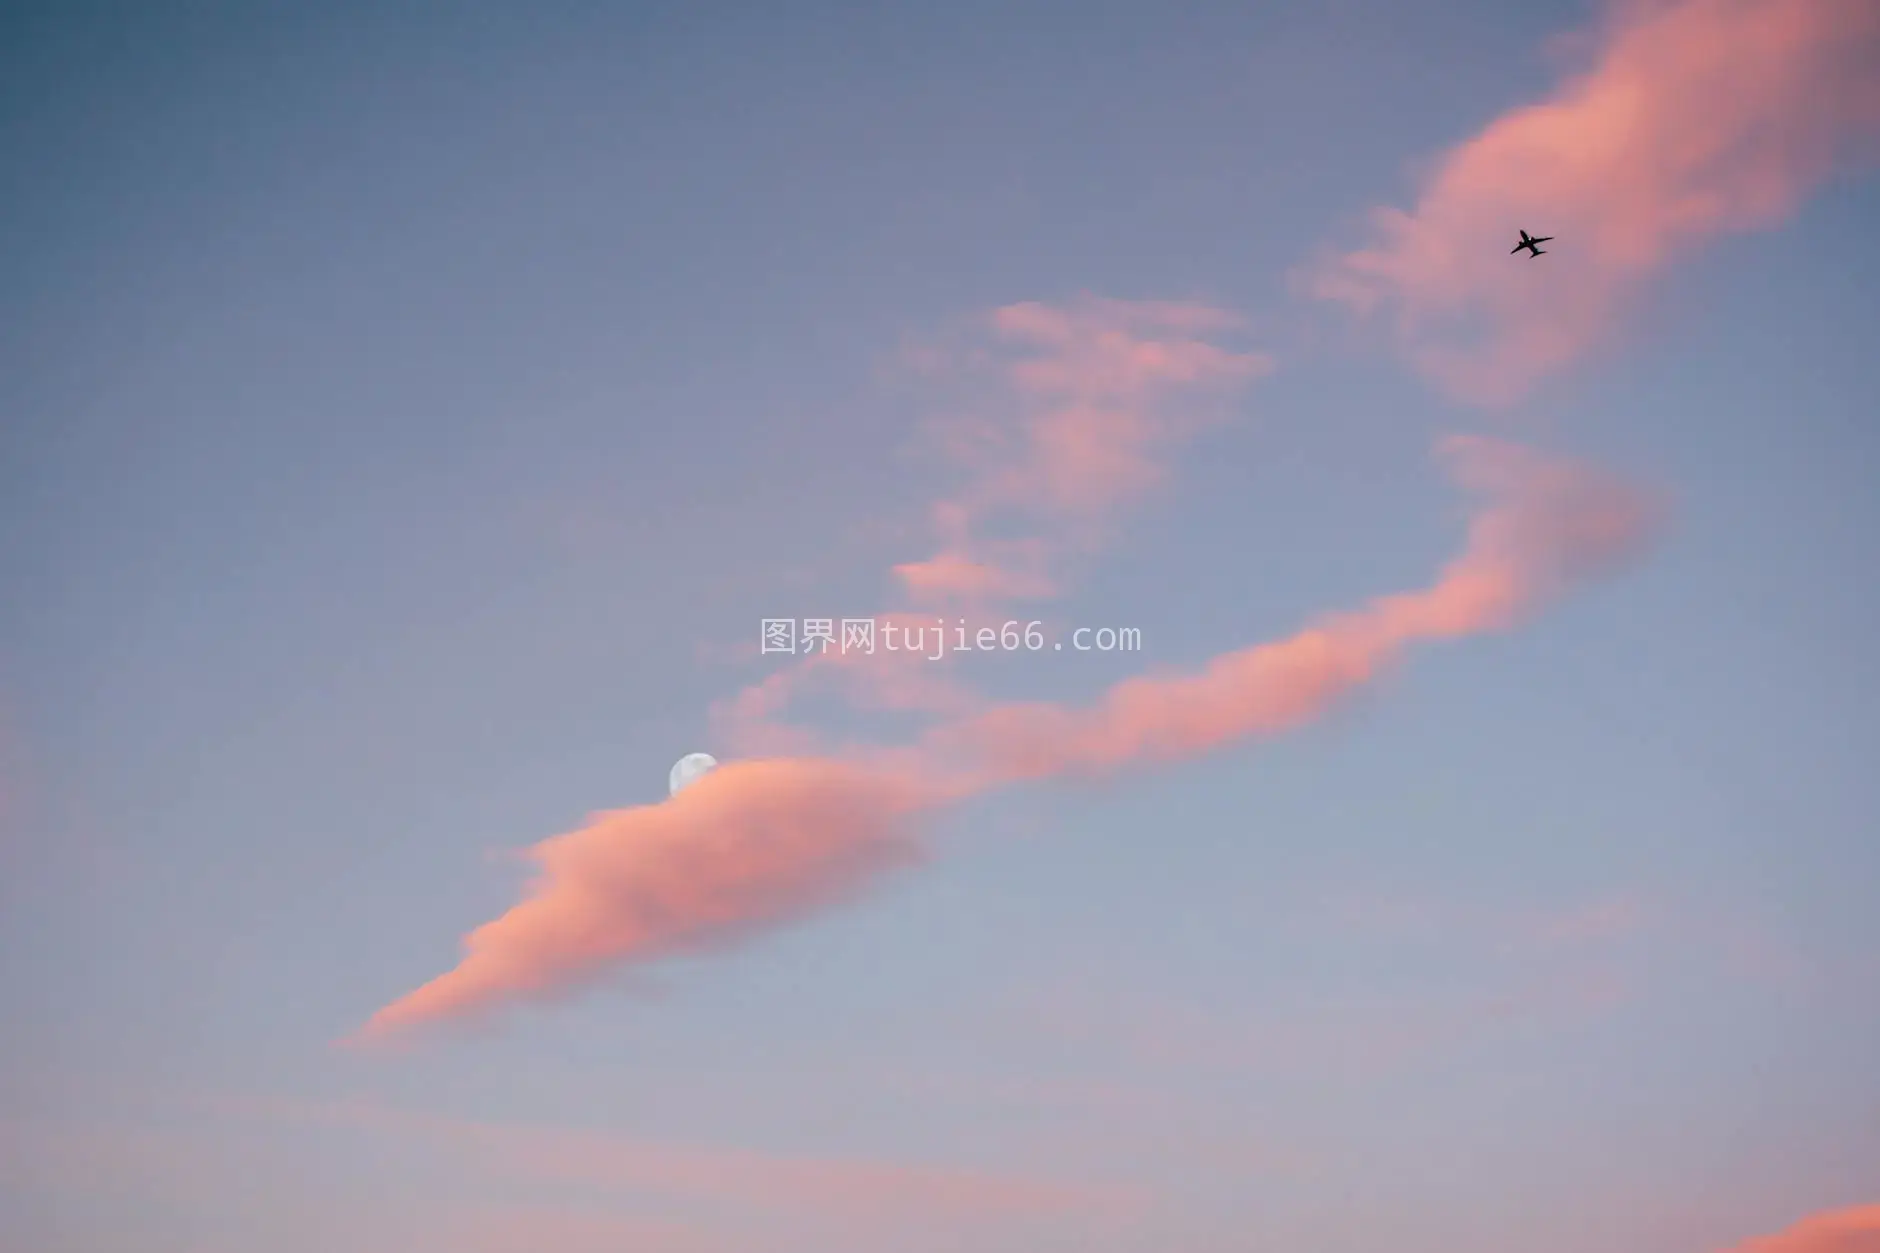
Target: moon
689 769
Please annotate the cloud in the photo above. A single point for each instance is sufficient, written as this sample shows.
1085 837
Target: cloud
1548 524
479 1184
1087 401
528 1229
1102 391
1697 118
753 843
1608 919
886 679
847 1190
1854 1230
1596 923
757 843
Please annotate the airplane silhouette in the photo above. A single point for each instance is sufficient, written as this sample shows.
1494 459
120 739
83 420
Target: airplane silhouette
1528 242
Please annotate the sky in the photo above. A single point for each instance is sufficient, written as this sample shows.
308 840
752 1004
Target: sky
411 414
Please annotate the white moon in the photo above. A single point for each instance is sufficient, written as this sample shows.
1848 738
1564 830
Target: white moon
688 769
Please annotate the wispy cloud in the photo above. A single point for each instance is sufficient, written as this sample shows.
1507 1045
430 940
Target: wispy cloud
519 1185
1338 1035
760 842
1547 524
844 1190
751 721
1070 415
1696 118
1095 396
529 1229
1608 919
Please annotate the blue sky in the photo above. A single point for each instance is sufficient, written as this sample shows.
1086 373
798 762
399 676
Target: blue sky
408 418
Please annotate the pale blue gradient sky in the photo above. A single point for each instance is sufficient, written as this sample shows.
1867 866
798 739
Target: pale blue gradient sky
400 414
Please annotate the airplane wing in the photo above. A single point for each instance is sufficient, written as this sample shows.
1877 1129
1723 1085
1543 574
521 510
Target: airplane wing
1515 249
1543 239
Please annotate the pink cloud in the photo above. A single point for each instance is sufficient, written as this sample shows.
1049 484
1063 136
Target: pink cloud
757 843
1855 1230
1334 1037
1103 391
846 1190
1088 401
754 843
1697 118
1602 920
901 675
509 1185
520 1229
1548 524
952 576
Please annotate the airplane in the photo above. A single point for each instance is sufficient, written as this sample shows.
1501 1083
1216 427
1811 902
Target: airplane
1528 241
